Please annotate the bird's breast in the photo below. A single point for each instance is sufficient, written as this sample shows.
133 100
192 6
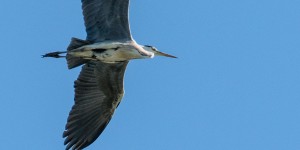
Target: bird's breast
116 55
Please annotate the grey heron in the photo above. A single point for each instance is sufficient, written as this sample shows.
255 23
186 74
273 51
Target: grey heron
104 55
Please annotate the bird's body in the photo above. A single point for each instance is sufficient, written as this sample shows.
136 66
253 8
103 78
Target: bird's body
104 55
111 51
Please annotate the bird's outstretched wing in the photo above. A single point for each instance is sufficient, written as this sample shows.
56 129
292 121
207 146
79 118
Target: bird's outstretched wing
98 91
106 20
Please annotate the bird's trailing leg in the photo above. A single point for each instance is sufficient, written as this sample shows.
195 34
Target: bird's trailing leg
55 54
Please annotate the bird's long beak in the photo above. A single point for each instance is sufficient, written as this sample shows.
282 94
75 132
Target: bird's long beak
158 53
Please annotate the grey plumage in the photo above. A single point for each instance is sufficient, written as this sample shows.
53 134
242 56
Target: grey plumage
98 91
76 61
106 20
99 87
105 54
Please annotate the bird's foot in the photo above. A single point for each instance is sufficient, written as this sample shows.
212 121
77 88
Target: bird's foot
54 54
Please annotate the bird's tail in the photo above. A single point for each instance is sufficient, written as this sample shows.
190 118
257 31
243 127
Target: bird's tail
75 61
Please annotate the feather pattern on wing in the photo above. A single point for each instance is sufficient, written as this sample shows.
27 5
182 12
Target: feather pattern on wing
106 20
98 91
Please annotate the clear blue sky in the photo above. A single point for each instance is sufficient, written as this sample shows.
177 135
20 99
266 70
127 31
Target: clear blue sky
235 86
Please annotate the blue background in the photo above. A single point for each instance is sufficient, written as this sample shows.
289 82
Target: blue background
235 85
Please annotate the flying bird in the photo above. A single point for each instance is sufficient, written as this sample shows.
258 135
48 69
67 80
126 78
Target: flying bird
104 55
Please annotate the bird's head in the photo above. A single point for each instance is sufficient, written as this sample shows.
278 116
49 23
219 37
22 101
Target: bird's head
156 52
